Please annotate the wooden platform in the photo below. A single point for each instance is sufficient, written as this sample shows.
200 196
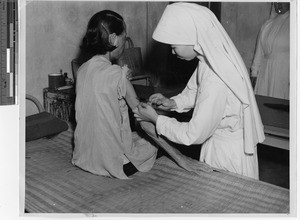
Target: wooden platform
54 185
275 117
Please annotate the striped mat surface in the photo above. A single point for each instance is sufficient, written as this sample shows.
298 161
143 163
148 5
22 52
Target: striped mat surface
54 185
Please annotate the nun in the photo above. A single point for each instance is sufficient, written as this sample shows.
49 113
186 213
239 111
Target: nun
225 120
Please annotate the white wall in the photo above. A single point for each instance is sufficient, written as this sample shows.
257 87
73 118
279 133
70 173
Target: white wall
242 21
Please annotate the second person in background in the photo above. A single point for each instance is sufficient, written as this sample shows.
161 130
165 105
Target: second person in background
270 71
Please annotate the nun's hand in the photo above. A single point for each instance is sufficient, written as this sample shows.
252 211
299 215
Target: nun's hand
161 102
145 112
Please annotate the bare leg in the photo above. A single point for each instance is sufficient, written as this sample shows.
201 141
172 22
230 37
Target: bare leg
183 161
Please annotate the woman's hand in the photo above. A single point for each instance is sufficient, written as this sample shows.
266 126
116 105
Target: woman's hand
162 102
144 112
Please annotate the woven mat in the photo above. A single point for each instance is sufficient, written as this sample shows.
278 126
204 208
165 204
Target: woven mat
54 185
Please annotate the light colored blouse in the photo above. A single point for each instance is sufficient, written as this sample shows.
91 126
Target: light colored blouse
103 137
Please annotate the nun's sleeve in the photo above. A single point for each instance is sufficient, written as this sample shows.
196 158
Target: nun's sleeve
186 100
207 115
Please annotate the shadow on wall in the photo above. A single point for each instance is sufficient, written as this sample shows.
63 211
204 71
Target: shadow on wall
166 69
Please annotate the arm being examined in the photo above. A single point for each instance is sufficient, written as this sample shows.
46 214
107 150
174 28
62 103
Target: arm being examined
130 96
207 115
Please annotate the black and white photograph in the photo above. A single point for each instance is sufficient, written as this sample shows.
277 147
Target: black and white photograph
149 108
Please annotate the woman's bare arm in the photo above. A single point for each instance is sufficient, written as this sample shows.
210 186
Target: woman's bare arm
131 97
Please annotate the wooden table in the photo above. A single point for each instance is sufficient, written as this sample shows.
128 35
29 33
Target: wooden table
60 102
275 117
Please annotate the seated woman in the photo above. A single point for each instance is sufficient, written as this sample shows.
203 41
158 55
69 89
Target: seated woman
104 142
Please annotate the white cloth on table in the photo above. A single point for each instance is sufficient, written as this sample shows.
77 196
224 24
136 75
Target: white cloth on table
103 137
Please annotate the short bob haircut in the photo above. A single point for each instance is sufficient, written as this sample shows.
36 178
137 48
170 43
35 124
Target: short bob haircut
103 23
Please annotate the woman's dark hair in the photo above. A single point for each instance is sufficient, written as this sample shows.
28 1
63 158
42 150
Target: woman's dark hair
96 39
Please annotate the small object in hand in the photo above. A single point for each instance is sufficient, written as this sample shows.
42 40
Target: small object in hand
154 105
